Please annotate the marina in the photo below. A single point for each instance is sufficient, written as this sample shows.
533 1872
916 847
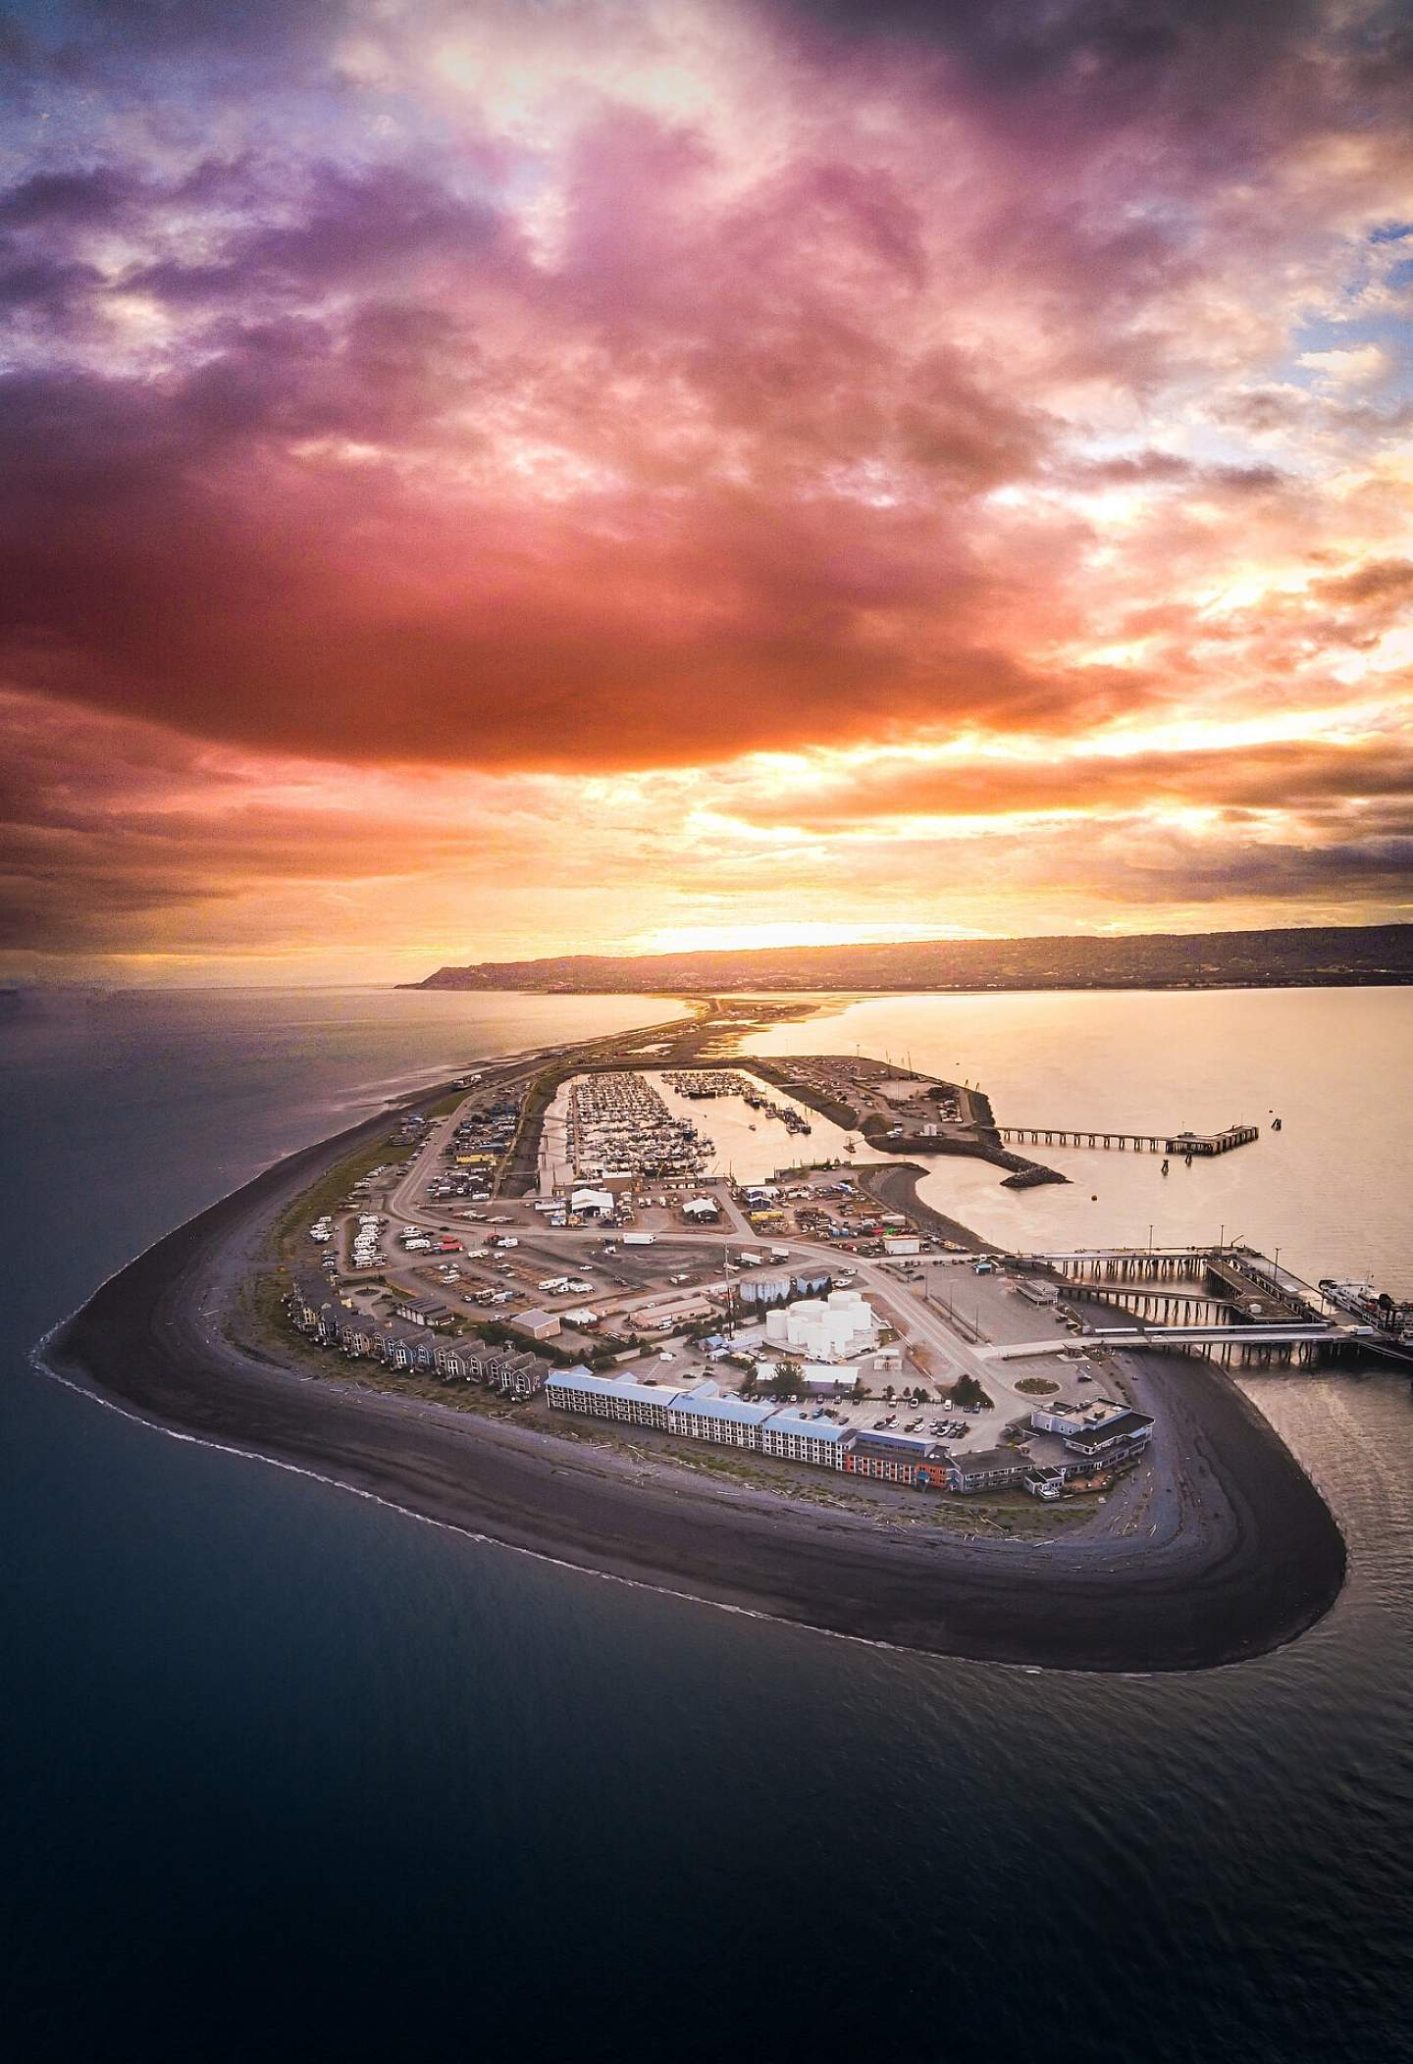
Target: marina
619 1125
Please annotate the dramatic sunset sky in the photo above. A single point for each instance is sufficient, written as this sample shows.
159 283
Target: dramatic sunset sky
495 477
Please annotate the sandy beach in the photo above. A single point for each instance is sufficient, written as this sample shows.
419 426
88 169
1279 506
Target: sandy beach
1236 1552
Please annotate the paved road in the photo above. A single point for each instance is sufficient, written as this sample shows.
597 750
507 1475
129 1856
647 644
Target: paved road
919 1321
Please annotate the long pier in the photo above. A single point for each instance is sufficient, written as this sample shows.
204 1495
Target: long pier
1226 1298
1307 1343
1184 1143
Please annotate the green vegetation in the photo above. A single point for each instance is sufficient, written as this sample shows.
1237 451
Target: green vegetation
967 1395
784 1385
330 1193
1037 1386
496 1333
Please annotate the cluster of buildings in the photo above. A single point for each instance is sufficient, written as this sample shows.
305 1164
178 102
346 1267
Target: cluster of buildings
619 1125
511 1372
1101 1435
836 1211
478 1145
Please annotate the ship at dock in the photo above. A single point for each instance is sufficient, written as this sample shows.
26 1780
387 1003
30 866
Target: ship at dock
1391 1315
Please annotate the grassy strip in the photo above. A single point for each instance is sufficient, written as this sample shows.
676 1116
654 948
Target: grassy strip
330 1193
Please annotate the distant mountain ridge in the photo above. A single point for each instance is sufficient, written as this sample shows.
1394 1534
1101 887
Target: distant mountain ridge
1299 956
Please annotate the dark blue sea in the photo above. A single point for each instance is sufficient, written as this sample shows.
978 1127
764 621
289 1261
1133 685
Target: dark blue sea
284 1774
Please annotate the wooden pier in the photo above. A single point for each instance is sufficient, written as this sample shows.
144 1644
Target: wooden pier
1170 1143
1228 1298
1310 1346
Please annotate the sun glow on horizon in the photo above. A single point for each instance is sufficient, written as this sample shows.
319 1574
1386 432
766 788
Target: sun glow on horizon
609 477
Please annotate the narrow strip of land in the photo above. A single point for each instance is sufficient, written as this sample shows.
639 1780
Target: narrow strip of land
1236 1554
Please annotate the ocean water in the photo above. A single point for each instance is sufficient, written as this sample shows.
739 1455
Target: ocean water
285 1773
1327 1191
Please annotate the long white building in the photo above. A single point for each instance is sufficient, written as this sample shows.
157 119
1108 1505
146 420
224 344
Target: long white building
603 1397
705 1412
708 1413
800 1439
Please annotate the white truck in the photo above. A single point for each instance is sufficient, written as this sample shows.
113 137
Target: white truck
639 1239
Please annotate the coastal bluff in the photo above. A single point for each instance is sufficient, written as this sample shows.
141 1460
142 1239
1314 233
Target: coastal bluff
1298 956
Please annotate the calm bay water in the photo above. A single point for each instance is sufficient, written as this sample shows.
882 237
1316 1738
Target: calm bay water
287 1773
1329 1189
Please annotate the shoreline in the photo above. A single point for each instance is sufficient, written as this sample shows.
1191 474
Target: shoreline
1243 1557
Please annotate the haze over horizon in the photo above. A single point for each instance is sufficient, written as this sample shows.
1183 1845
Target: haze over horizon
489 481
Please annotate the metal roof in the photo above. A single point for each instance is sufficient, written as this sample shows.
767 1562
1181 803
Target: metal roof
608 1386
918 1445
721 1405
795 1424
990 1461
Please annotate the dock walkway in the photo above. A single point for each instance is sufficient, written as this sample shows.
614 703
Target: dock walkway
1184 1143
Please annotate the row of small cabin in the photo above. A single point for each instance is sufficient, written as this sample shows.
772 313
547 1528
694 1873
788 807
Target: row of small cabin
510 1371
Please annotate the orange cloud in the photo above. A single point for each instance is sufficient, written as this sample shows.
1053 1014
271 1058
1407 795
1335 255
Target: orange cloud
551 417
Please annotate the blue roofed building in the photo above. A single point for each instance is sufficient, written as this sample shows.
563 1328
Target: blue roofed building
798 1437
610 1397
707 1412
